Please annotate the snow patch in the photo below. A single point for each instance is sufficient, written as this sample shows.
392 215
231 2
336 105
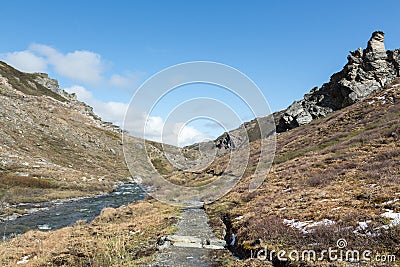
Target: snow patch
390 202
25 259
394 216
307 226
239 218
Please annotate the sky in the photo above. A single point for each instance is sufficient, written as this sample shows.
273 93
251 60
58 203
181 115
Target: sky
105 50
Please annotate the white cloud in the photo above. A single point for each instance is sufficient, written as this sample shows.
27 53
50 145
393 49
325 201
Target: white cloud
25 61
108 111
83 94
81 65
177 134
189 135
127 80
154 127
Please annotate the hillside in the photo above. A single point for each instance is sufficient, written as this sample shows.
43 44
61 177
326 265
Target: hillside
338 177
335 174
52 146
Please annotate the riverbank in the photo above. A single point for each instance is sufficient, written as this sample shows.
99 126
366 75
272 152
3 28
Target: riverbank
125 236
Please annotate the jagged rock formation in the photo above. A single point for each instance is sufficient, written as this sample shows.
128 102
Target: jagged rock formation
367 71
52 85
225 141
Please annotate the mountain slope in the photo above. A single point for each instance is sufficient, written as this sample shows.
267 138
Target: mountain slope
336 177
52 146
329 179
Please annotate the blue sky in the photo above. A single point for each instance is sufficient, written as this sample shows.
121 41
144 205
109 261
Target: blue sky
104 50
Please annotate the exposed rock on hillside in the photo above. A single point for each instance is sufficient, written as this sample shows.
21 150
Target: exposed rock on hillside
367 71
225 141
52 85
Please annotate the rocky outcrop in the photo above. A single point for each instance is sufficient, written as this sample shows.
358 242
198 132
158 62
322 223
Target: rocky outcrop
37 84
52 85
225 142
367 71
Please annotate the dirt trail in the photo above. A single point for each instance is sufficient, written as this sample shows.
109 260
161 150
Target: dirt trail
191 245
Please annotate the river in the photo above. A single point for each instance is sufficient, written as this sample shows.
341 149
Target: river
57 214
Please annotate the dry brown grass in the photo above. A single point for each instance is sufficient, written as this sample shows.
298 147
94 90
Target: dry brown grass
38 188
7 179
117 237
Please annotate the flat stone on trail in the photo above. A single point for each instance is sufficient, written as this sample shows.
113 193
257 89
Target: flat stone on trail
191 244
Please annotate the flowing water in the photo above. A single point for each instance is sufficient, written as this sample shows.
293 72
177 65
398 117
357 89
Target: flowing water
58 214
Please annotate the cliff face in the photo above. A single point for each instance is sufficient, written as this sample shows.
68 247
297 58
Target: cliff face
367 71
